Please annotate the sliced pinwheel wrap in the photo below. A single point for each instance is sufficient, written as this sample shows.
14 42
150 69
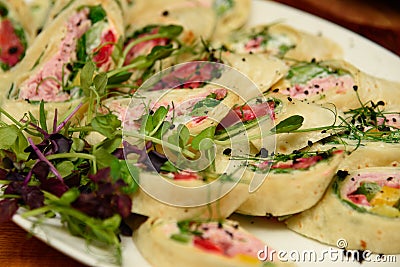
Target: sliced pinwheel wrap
147 205
336 82
261 69
16 33
358 155
199 243
52 68
199 18
281 41
313 116
191 15
292 183
361 207
231 15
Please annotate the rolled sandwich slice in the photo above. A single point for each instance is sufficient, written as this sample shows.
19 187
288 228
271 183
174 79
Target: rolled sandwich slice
262 69
221 17
281 41
16 33
309 118
292 183
199 243
336 82
191 15
361 206
358 155
52 69
231 15
147 203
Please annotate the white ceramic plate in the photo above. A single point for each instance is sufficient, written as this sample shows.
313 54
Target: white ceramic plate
361 52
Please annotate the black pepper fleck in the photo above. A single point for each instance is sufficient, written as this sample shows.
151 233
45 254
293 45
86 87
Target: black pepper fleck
13 50
342 174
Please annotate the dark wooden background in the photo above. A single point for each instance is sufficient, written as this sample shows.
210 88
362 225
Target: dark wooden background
378 20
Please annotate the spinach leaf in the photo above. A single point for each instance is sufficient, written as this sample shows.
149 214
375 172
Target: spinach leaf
289 124
96 13
207 133
202 107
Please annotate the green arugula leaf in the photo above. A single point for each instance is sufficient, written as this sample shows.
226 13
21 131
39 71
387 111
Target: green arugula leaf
203 106
104 158
8 136
159 116
19 146
119 78
107 124
147 124
112 222
168 167
100 83
181 237
159 52
65 168
110 145
206 133
162 130
68 197
184 135
87 77
289 124
119 170
170 31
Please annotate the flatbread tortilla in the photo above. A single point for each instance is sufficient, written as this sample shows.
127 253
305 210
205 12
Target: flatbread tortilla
332 219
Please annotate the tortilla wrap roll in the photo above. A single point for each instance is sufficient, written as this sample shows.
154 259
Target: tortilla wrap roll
191 15
281 40
218 209
314 116
16 33
231 15
51 70
337 82
199 243
261 69
358 156
361 207
290 186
